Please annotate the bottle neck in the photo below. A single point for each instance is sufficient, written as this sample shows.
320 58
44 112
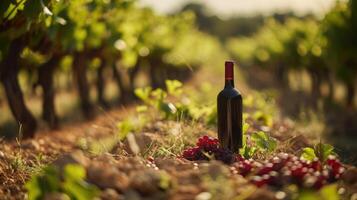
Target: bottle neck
229 83
229 75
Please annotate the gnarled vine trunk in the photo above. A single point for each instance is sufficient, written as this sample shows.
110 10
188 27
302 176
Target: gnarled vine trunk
45 79
123 88
157 73
350 93
316 85
101 85
80 77
9 69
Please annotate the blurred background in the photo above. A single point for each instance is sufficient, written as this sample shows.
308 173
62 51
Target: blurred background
301 53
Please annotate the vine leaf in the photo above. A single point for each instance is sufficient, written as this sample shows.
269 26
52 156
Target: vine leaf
264 141
308 154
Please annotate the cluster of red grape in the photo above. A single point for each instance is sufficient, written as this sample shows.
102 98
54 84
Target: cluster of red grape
284 168
207 148
277 171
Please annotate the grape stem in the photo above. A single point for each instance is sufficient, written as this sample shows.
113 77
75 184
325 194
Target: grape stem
17 4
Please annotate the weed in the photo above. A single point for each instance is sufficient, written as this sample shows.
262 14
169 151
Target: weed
72 184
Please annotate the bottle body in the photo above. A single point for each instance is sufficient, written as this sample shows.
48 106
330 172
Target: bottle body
230 117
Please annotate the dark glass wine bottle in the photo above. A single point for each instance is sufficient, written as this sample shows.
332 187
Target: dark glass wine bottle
229 110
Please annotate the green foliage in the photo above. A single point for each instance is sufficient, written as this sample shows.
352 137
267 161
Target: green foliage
34 7
247 151
263 118
143 94
115 29
324 47
125 127
165 181
264 141
339 28
72 183
39 185
308 153
158 98
320 151
328 192
173 105
173 87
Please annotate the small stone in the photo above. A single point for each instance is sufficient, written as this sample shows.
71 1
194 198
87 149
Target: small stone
132 195
56 196
41 141
30 144
106 176
149 181
204 196
107 158
2 155
215 169
158 126
137 143
354 196
129 164
76 157
262 193
280 195
110 194
350 176
189 190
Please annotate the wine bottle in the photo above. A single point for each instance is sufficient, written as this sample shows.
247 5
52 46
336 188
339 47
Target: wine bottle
229 110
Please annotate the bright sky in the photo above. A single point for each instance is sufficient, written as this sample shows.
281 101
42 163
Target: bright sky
242 7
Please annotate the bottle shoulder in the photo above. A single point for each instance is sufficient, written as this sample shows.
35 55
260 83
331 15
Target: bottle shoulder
230 92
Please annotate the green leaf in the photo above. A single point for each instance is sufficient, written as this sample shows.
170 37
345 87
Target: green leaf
247 151
264 141
74 172
80 34
165 180
159 94
12 9
141 109
34 191
173 87
129 57
245 128
143 93
308 154
308 195
46 182
74 184
244 141
264 118
125 127
329 192
322 151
